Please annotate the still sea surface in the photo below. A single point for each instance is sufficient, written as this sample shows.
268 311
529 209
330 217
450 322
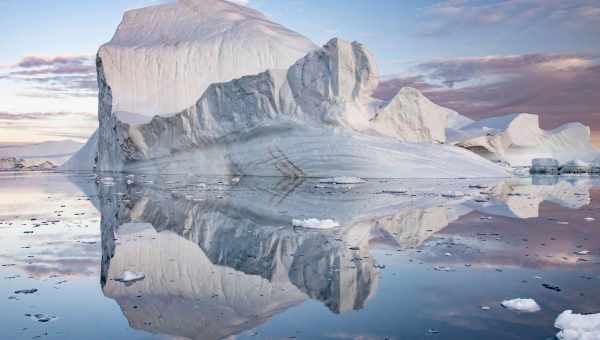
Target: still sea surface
190 257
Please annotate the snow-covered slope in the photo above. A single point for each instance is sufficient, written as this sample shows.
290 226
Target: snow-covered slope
518 139
85 158
410 116
56 152
162 58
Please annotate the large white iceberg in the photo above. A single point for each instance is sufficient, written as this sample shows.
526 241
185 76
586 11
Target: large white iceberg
315 118
207 87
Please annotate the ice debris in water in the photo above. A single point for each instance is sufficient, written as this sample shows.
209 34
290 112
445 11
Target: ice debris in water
578 326
454 194
522 305
41 317
342 180
583 252
128 277
589 219
314 223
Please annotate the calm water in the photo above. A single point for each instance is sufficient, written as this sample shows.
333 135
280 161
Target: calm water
221 257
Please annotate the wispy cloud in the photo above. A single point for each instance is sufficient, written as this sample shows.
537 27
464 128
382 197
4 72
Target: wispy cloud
56 76
453 15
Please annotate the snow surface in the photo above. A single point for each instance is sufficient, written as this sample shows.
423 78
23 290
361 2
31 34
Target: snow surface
522 305
578 326
314 223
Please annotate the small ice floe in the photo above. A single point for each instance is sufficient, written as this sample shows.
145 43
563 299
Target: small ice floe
443 269
577 326
522 305
453 194
395 191
235 180
26 291
582 252
562 222
314 223
130 277
589 219
342 180
448 254
486 308
41 317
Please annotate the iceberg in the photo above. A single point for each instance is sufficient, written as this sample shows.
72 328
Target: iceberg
517 139
215 88
314 119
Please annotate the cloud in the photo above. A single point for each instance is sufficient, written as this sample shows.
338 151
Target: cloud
562 88
58 76
37 61
43 126
453 15
43 115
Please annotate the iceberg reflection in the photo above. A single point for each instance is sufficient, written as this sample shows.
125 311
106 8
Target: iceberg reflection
220 256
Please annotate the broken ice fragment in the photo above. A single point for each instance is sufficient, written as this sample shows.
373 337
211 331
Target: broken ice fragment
129 277
453 194
577 326
522 305
342 180
314 223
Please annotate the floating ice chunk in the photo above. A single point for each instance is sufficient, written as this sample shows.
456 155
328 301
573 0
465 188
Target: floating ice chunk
522 305
576 167
314 223
454 194
578 326
41 317
443 269
26 291
589 219
128 277
342 180
583 252
544 166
